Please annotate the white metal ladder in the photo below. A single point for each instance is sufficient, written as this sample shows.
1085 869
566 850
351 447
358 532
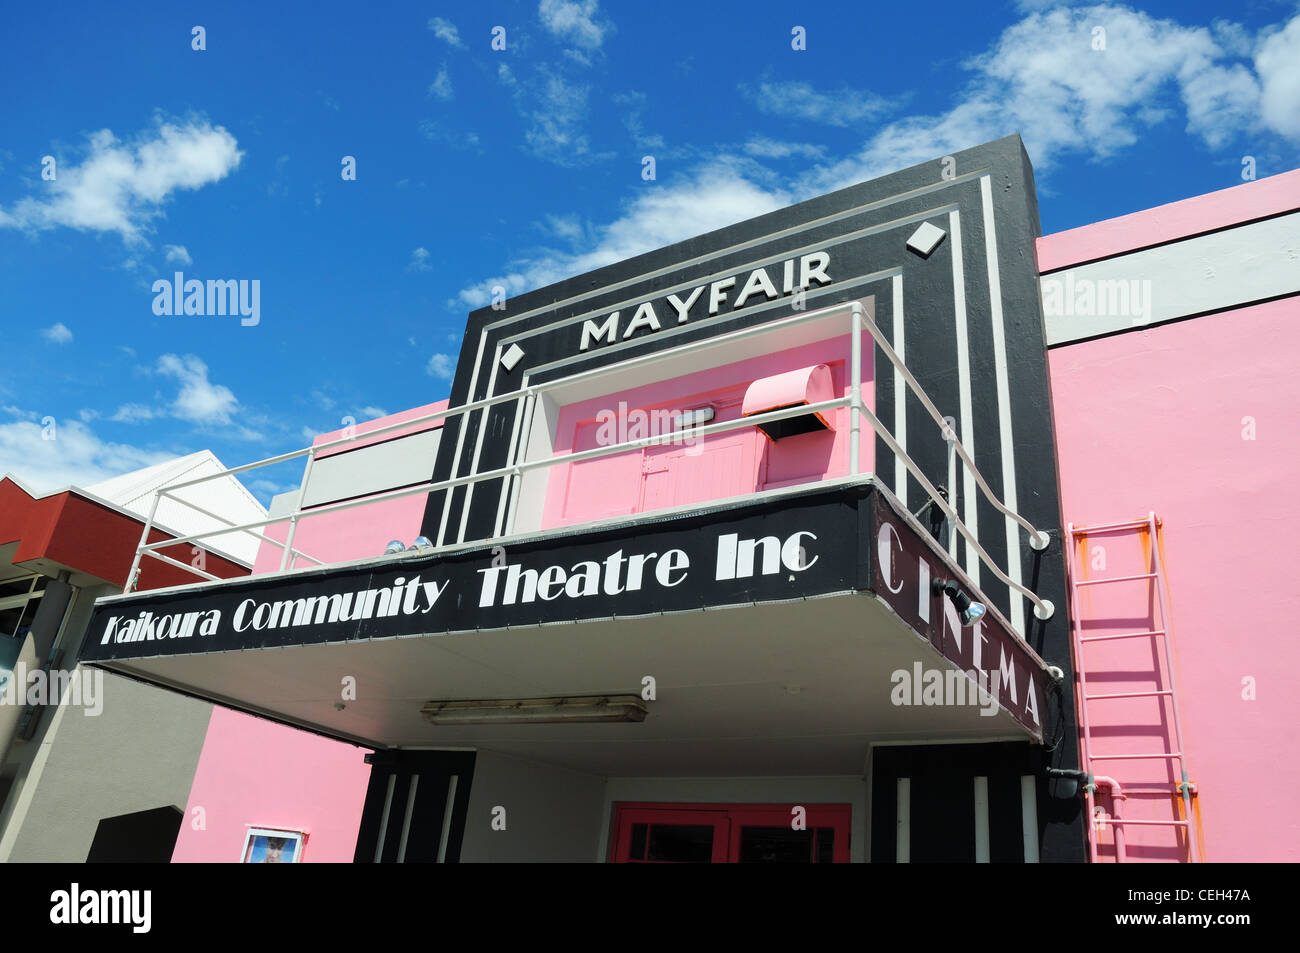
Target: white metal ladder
1161 633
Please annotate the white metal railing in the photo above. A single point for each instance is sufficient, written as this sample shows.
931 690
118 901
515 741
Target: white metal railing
859 322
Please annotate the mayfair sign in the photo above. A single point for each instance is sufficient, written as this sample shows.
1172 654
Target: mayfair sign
758 287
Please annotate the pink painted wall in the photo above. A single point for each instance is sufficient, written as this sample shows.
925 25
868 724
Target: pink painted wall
346 534
729 464
1203 213
364 531
257 773
1162 419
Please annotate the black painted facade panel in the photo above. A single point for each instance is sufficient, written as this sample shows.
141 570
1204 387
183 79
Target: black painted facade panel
941 809
866 228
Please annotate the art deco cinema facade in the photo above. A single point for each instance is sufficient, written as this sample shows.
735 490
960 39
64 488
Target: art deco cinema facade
751 548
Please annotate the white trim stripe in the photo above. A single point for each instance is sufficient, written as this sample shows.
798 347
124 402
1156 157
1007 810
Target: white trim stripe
903 835
1007 445
981 802
966 431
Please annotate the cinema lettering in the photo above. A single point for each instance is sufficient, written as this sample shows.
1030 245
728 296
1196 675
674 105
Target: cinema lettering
905 571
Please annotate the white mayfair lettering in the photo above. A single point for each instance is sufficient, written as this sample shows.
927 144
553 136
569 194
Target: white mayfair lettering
758 281
812 270
683 308
645 317
593 333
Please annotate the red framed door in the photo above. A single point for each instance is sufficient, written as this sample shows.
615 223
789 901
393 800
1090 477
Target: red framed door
669 836
730 833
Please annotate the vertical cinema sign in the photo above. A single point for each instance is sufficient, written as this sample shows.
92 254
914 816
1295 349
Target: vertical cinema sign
904 568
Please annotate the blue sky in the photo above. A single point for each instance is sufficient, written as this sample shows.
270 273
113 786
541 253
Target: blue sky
517 167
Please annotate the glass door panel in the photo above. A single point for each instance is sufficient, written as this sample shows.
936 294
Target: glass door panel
731 833
671 837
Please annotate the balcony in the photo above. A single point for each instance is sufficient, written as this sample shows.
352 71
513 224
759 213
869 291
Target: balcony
779 621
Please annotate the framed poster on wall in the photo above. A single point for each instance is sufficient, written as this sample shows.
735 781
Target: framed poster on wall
270 845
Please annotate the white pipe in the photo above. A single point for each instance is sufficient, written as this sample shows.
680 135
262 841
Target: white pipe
855 417
144 540
297 511
508 474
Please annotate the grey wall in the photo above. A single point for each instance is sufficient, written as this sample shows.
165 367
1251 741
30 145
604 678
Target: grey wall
552 814
139 753
373 468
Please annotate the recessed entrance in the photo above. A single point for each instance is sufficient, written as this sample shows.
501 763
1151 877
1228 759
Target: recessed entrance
731 833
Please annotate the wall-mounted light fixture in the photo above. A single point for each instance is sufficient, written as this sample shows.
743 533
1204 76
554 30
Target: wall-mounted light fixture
970 610
688 419
522 711
1067 781
394 546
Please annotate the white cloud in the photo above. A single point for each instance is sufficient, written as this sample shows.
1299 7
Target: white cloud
441 85
765 148
121 187
134 414
370 413
419 260
437 133
74 456
717 194
446 31
1043 79
199 399
557 110
178 254
57 334
1278 64
442 365
270 488
574 22
799 100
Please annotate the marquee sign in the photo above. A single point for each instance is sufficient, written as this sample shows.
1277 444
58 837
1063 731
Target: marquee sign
838 540
739 555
